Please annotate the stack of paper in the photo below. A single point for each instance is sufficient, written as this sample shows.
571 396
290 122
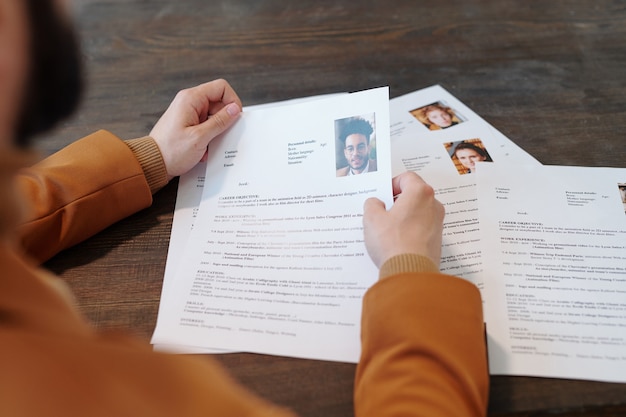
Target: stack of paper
267 253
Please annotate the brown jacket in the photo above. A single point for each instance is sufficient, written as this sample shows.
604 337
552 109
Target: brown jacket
422 335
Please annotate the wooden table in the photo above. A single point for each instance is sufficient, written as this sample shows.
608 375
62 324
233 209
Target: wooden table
550 75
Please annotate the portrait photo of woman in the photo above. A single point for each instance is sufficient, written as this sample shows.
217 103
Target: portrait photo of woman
465 154
437 116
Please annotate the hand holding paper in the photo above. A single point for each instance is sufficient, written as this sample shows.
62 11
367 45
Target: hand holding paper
194 118
277 261
413 225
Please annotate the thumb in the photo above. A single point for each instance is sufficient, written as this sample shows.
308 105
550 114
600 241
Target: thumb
373 207
220 121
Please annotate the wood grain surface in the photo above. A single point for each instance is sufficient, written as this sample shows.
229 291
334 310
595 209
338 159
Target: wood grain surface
550 75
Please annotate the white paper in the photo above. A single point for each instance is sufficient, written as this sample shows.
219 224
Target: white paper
188 197
415 147
554 241
276 261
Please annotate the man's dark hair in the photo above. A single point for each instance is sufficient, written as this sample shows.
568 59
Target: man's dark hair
356 125
54 81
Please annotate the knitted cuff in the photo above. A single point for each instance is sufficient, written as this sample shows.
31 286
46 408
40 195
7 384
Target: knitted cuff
149 156
407 262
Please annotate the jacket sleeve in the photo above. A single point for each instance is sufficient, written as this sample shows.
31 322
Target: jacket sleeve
84 188
423 348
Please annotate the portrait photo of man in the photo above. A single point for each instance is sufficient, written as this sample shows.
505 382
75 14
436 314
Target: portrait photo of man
355 144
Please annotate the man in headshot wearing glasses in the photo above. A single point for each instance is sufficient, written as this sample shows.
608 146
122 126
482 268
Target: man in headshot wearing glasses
355 137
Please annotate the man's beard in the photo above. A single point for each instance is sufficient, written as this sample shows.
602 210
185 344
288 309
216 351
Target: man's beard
54 83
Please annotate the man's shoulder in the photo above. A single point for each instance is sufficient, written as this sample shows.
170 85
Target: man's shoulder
372 165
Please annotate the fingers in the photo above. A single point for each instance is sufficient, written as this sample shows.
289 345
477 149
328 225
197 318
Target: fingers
418 194
219 93
219 122
406 180
374 216
193 119
373 207
223 107
216 107
413 225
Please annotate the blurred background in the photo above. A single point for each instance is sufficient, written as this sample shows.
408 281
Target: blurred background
536 70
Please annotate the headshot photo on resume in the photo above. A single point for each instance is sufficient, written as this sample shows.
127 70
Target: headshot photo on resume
355 139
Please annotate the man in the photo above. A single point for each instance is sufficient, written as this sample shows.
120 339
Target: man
355 138
422 335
